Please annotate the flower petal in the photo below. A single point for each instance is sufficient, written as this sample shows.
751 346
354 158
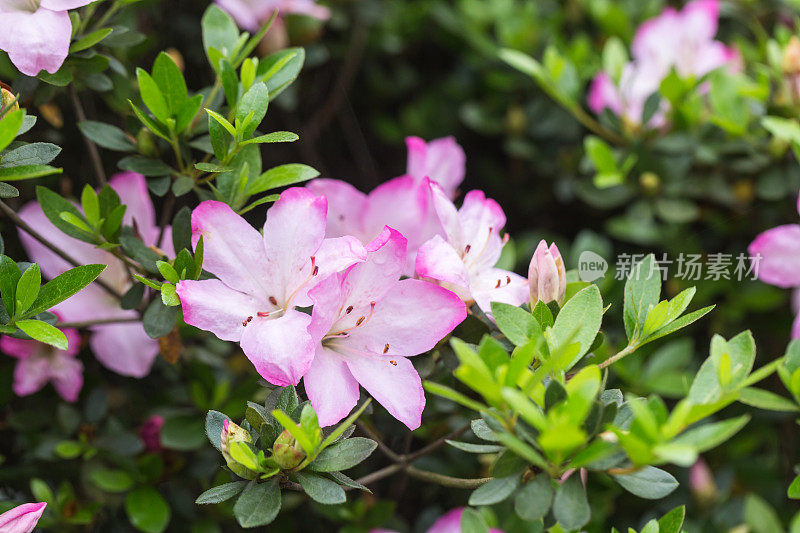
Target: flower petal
779 249
124 348
396 386
281 349
447 213
403 204
437 259
330 386
513 289
411 318
346 205
64 5
66 374
604 94
30 375
243 13
140 213
213 306
22 519
36 41
293 233
334 255
441 160
234 250
19 348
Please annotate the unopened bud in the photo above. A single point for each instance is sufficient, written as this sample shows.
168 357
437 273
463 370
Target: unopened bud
7 99
547 277
176 57
702 484
233 433
791 56
286 452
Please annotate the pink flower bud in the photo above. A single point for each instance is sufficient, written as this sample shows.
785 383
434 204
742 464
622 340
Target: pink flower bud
150 433
701 483
547 277
22 519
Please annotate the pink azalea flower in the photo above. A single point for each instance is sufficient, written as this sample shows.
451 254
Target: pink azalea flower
39 363
547 276
447 523
251 14
776 257
36 33
150 433
123 347
441 160
403 203
260 279
683 40
22 519
365 324
464 259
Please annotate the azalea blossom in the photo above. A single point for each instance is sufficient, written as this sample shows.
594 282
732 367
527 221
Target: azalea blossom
22 518
683 40
441 160
36 33
547 276
464 259
251 14
450 522
150 433
261 279
122 347
365 324
403 203
39 363
776 257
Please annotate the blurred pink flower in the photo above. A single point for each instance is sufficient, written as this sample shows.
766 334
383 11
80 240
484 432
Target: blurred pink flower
449 522
464 259
403 203
250 14
365 324
547 276
123 347
776 260
683 40
36 33
261 279
22 519
701 482
150 433
39 363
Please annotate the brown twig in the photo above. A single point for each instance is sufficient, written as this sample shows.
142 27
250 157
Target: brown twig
88 323
94 154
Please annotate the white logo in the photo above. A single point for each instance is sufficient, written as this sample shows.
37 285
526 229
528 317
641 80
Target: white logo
591 266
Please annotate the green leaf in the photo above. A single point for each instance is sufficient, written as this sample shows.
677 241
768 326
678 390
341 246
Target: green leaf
274 137
27 289
642 291
288 424
451 394
27 172
64 286
147 510
107 136
794 489
30 154
672 522
578 321
259 504
183 433
281 176
321 489
221 493
43 332
474 448
711 435
740 351
9 277
494 491
153 125
534 499
764 399
543 315
222 121
570 506
760 516
280 69
343 455
152 96
111 480
219 32
158 319
255 102
518 325
214 422
343 426
87 41
473 522
650 483
169 79
9 127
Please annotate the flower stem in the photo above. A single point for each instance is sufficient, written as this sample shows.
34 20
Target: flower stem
629 349
94 154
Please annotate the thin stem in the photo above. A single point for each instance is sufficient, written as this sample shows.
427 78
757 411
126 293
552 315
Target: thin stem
446 481
89 323
629 349
388 452
52 247
94 154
